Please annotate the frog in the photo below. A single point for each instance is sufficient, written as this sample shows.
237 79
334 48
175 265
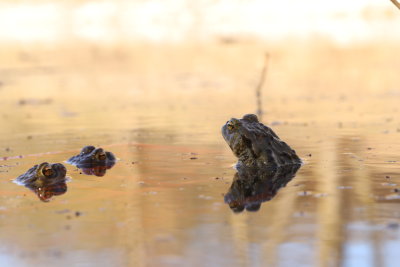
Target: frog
253 186
257 145
93 161
45 179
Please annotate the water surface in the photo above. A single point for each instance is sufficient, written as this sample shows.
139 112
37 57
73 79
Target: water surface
162 204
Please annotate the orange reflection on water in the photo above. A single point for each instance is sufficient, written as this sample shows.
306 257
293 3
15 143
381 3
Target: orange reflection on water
160 109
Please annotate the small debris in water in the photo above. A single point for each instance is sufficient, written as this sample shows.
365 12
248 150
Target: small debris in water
393 225
390 197
205 197
193 158
387 177
369 148
29 137
8 149
62 211
78 213
276 123
309 155
33 101
396 190
304 193
321 195
298 214
389 184
344 187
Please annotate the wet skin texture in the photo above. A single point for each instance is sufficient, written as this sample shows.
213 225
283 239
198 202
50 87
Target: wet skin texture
93 161
253 186
255 144
46 180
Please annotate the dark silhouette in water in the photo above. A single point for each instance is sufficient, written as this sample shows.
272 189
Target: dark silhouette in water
253 186
265 163
99 170
256 145
93 161
46 180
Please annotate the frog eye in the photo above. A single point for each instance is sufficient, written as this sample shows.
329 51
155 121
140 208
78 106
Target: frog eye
102 156
230 126
48 171
87 149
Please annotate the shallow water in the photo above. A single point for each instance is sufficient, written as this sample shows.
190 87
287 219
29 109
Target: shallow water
162 204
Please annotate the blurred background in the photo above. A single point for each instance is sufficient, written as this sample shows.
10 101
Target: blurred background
153 82
69 56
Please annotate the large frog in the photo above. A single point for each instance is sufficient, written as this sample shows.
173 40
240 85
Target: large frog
255 144
45 179
253 186
93 160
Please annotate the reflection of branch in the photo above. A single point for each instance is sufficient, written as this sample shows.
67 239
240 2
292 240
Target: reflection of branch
260 85
396 3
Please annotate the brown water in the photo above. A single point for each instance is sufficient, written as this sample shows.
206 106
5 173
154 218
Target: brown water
159 109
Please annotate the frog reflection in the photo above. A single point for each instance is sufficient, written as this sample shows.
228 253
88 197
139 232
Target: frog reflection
96 170
93 161
46 180
253 186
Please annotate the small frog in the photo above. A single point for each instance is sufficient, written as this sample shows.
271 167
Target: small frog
93 160
45 179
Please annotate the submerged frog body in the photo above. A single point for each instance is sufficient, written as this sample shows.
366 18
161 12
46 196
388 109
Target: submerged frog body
93 160
91 156
45 179
96 170
253 186
255 144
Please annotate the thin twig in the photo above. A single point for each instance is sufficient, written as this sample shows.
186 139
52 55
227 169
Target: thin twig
396 3
260 86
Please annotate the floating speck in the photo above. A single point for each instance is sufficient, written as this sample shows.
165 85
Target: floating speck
344 187
304 193
389 184
205 197
393 226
